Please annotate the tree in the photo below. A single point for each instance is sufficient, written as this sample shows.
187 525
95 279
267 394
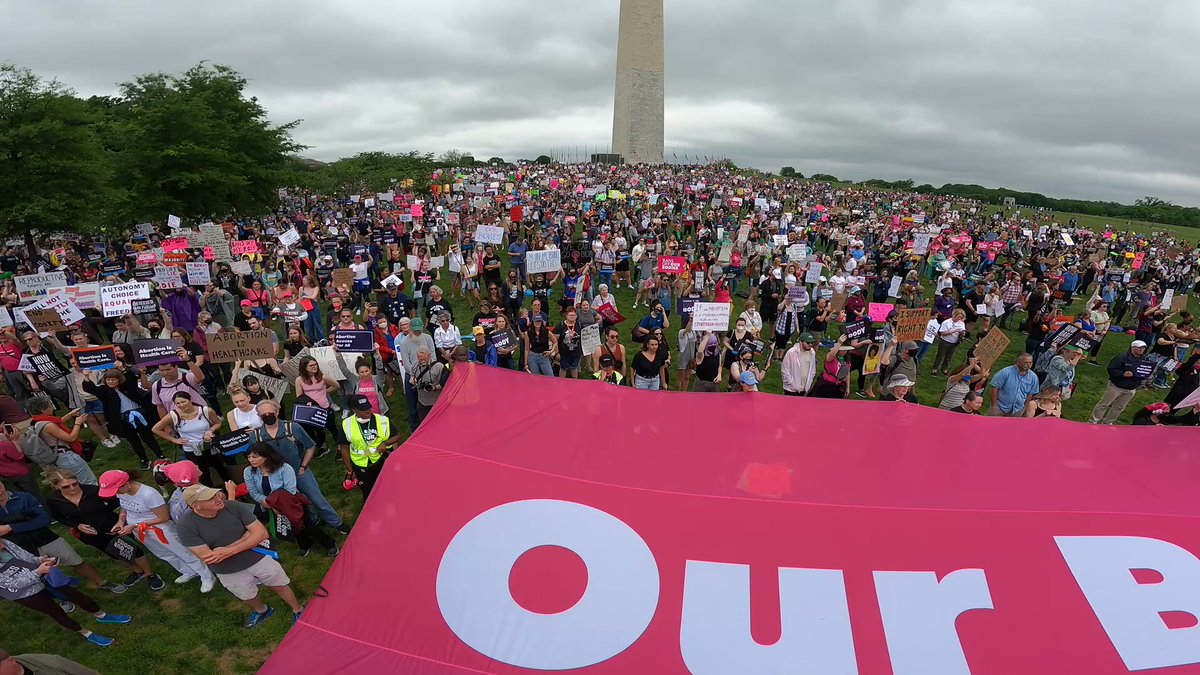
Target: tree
544 159
824 177
453 158
366 172
193 145
496 161
789 172
53 170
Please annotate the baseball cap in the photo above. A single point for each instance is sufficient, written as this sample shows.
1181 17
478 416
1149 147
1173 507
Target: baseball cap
538 317
199 493
748 378
182 473
1138 343
1158 408
285 294
360 402
417 324
478 330
247 303
111 481
607 362
809 338
908 346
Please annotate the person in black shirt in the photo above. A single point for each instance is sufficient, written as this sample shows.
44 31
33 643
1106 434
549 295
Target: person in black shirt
435 305
514 294
485 317
395 305
708 363
971 404
491 266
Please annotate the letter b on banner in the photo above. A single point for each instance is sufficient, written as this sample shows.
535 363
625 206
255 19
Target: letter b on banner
1129 610
473 586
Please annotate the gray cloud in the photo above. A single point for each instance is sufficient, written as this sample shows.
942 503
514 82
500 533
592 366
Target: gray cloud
1064 97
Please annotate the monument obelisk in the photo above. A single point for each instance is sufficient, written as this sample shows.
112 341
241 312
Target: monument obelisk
640 95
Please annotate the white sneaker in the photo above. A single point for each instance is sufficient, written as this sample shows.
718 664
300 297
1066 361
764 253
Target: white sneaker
206 585
185 578
111 442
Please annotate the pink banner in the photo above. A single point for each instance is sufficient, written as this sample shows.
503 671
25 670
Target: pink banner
175 244
416 211
248 247
672 543
670 264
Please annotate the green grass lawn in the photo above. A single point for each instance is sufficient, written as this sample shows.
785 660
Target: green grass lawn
181 631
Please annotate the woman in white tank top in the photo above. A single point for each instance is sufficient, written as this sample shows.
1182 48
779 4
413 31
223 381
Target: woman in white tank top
244 414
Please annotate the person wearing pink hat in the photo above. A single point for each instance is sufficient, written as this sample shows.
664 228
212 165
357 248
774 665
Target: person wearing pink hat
182 475
145 515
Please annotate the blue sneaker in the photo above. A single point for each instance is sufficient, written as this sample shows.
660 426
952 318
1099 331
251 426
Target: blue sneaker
115 618
296 616
100 640
256 618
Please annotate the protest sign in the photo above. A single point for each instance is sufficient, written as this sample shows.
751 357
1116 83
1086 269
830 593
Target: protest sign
310 415
357 341
590 339
328 360
489 234
1143 368
412 262
1179 303
232 443
198 274
26 364
167 277
814 273
711 316
112 269
991 347
176 260
685 307
240 248
44 320
779 240
291 367
1190 400
878 311
62 305
921 241
173 221
797 252
155 352
94 358
343 277
30 286
610 315
910 324
175 244
85 295
230 346
502 340
147 306
146 229
672 264
894 288
542 261
855 330
837 303
146 258
289 237
276 387
725 253
242 267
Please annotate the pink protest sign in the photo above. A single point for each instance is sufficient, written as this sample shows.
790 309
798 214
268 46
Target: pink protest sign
175 244
878 311
553 183
248 247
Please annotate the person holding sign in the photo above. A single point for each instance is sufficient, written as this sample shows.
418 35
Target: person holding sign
271 482
314 387
127 411
950 334
369 441
1127 372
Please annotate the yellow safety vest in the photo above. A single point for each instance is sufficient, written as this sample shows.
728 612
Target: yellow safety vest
360 453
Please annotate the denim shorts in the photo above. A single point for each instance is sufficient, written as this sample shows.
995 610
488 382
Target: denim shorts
93 408
569 362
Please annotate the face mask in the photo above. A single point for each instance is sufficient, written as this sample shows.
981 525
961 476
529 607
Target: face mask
269 419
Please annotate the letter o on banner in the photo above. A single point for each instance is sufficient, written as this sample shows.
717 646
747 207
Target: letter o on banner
620 600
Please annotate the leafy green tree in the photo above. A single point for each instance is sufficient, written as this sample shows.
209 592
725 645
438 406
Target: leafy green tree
54 173
824 177
789 172
496 161
544 159
195 146
367 172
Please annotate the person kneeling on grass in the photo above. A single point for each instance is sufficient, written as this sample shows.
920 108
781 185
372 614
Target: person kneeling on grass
226 536
26 584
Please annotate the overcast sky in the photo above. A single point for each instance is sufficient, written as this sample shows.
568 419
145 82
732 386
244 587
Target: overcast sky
1071 98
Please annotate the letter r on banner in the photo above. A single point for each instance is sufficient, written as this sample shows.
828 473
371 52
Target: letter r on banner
1129 610
473 586
919 613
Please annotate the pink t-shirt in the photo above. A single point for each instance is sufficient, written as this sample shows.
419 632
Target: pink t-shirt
316 391
367 388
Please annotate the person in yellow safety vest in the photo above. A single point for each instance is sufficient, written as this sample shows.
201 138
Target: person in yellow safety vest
370 439
608 372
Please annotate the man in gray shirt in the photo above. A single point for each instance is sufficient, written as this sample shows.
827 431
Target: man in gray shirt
224 535
408 347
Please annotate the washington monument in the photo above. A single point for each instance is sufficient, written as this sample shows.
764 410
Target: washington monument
639 102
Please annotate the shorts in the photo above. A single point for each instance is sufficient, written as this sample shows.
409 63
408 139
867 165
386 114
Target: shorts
61 549
93 408
567 362
244 585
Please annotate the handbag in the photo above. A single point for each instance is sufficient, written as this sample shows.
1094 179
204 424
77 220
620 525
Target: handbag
120 549
57 578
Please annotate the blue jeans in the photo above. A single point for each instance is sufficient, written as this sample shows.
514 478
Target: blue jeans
312 325
606 279
307 485
1160 374
410 397
924 347
540 365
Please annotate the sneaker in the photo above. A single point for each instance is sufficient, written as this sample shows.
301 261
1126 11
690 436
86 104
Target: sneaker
132 580
304 552
256 618
156 582
113 588
144 465
333 552
343 528
115 618
66 605
860 394
206 585
296 616
99 640
321 453
111 442
184 578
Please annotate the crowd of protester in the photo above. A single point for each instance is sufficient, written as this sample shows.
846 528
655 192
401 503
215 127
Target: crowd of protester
437 286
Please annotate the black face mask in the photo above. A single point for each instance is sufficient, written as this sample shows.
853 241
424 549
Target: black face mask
269 419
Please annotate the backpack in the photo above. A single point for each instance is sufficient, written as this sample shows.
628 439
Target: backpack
35 447
287 433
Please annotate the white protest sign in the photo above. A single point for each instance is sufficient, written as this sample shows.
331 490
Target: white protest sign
894 289
590 339
779 239
743 234
537 262
290 238
393 280
117 300
145 228
489 234
67 311
814 273
1167 299
6 319
713 316
797 252
437 262
167 277
921 241
173 222
368 202
1066 239
85 295
327 359
31 286
413 262
198 274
